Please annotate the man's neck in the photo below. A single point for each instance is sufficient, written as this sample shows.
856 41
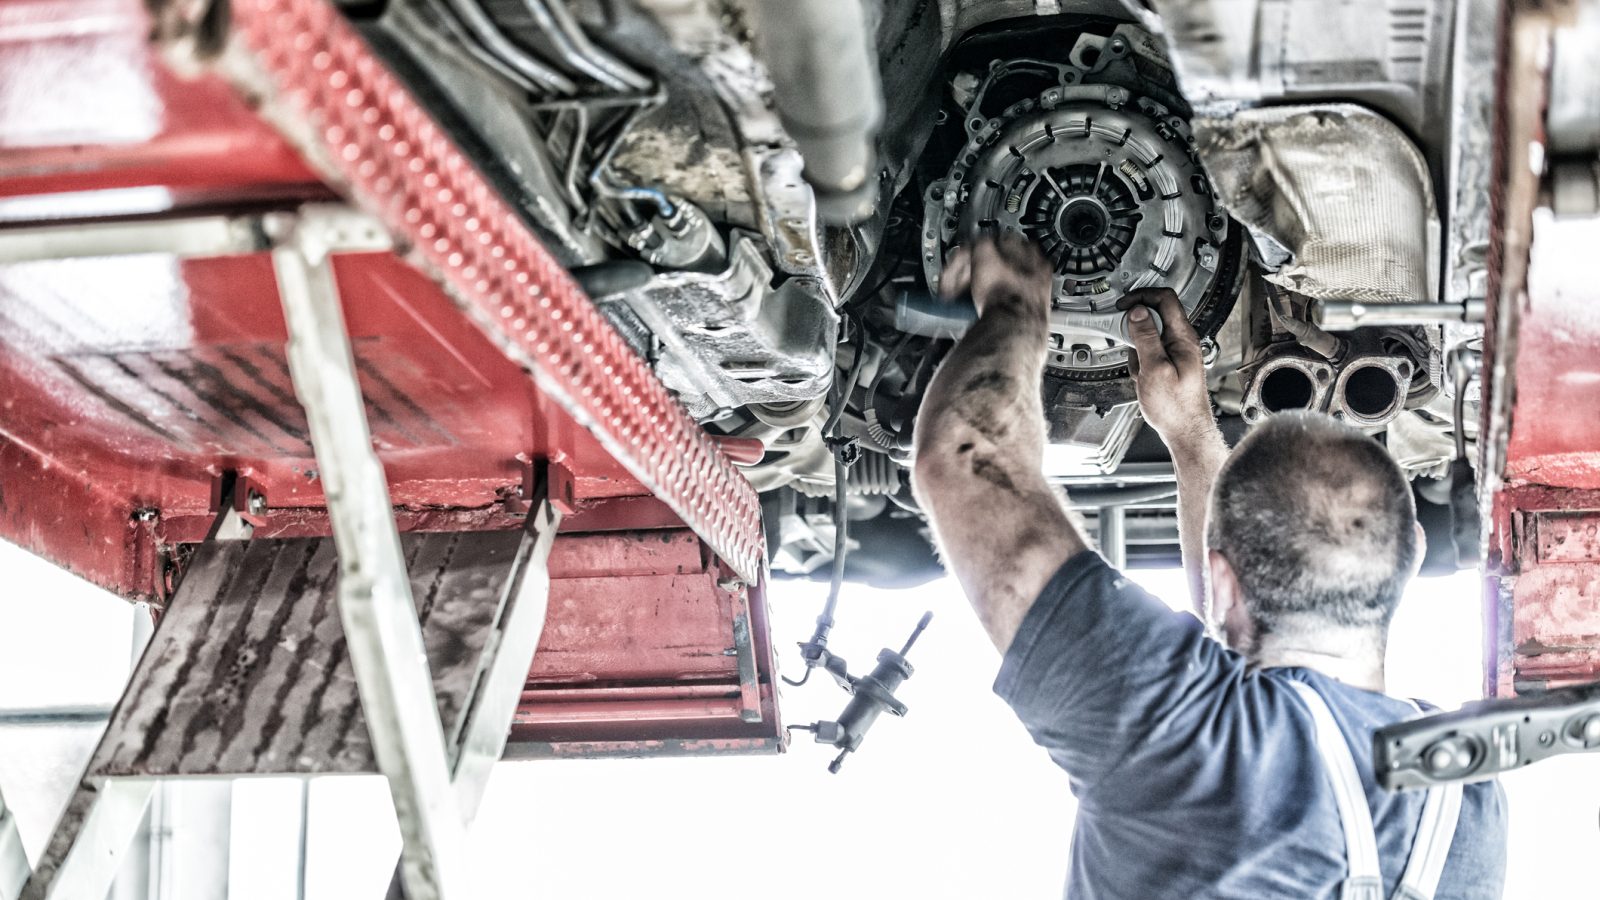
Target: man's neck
1353 656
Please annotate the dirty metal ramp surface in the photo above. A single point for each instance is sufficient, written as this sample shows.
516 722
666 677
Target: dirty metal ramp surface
248 673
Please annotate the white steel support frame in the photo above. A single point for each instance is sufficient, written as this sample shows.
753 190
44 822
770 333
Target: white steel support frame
14 869
506 660
1113 536
111 814
375 603
509 657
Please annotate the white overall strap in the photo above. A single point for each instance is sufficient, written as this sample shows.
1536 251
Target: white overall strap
1365 879
1441 810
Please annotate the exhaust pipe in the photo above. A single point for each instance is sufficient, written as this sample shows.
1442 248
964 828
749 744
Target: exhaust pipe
1366 391
1286 383
822 57
1371 390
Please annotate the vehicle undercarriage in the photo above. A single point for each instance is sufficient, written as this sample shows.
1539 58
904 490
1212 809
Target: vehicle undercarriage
764 220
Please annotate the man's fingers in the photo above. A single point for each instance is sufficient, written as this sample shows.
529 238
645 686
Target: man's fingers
1178 335
1006 266
1178 339
1019 252
1146 340
957 276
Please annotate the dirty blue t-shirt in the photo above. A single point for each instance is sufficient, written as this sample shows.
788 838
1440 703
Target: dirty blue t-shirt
1197 776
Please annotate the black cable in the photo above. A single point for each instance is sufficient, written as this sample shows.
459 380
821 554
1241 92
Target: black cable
877 378
831 426
843 453
889 437
1459 408
841 477
861 297
841 535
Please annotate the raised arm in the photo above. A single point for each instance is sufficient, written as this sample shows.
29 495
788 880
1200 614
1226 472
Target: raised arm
980 440
1171 380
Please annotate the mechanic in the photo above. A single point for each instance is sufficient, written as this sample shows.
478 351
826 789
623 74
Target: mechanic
1194 749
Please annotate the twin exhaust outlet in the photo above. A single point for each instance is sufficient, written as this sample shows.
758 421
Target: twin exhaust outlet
1366 391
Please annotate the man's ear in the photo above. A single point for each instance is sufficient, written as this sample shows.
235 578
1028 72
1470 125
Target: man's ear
1226 615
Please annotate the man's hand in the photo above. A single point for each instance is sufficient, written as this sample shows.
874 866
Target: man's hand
999 270
1168 372
1170 377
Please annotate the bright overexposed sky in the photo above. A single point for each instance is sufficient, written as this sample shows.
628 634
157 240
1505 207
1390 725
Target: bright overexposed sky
954 801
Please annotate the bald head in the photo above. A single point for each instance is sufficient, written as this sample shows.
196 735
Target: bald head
1316 521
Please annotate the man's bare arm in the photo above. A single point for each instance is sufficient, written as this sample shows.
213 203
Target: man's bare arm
980 441
1169 374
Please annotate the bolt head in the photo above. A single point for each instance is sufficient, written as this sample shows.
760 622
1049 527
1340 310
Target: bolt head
1591 730
1440 759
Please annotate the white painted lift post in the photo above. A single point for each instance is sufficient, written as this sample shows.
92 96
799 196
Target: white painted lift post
380 620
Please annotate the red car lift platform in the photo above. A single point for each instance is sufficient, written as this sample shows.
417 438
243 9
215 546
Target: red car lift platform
1540 463
261 293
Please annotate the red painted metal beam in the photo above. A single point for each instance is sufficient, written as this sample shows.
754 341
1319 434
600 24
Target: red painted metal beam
86 106
137 380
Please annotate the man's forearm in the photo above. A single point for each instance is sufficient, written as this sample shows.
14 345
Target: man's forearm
984 401
1196 460
980 442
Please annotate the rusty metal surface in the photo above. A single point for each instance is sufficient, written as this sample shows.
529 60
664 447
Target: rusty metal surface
131 382
1540 451
689 652
325 87
1571 535
1542 596
248 672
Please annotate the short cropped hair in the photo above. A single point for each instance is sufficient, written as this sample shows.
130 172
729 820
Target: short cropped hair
1316 519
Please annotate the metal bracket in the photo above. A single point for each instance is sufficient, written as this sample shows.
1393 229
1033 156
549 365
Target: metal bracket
1485 738
238 505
